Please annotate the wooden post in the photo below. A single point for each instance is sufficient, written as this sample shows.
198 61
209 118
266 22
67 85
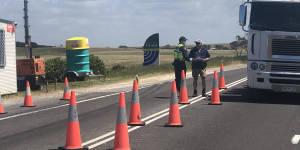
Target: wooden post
55 84
47 86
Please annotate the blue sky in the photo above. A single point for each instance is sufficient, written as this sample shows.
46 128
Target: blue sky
110 23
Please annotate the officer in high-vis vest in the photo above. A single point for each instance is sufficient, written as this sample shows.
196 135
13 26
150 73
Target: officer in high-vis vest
180 56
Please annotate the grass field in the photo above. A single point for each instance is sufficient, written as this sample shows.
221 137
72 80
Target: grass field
113 56
132 60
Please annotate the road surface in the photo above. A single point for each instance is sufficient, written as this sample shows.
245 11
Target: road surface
247 120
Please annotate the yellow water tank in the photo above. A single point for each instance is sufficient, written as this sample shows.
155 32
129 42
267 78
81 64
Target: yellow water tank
77 43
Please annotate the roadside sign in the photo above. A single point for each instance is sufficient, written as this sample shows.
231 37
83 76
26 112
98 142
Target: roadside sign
11 28
151 50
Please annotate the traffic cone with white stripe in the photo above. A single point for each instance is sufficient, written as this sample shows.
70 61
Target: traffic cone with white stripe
1 106
183 95
73 139
174 114
222 78
215 96
66 95
28 98
121 141
135 118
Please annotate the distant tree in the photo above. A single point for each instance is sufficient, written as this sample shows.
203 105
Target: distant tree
206 46
97 65
219 47
168 46
20 44
226 48
239 45
34 45
123 46
234 45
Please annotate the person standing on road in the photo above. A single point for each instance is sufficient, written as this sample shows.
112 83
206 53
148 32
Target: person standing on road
180 56
199 57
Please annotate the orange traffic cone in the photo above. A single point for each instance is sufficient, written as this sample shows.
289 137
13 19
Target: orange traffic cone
28 98
66 95
183 95
121 141
1 106
174 114
135 118
73 139
215 96
222 78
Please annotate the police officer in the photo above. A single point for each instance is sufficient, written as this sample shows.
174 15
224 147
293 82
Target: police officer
180 56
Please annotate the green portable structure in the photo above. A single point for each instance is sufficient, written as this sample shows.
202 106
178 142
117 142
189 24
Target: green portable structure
77 52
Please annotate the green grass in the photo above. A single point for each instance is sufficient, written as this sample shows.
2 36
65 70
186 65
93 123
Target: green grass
129 72
114 56
131 59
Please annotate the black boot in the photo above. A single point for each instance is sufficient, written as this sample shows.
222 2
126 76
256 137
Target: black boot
204 93
195 93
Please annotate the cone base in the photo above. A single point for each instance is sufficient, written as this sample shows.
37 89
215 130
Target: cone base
64 99
178 126
136 124
3 113
184 103
214 103
63 148
28 106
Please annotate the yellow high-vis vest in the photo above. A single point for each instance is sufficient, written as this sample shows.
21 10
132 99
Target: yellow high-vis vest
178 55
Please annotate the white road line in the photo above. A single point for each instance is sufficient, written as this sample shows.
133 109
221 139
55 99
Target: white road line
163 114
153 115
82 101
295 139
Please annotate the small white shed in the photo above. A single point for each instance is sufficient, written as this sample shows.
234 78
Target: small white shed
8 75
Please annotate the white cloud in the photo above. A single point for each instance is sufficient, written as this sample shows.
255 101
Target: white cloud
130 22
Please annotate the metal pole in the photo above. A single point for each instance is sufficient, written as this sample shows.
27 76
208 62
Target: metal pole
28 48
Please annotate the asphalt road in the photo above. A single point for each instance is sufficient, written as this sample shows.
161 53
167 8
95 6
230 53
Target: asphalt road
246 120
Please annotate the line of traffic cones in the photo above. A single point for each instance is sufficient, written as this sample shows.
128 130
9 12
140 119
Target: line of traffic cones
28 102
121 139
66 94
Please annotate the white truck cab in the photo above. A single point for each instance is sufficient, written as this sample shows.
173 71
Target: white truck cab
273 44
